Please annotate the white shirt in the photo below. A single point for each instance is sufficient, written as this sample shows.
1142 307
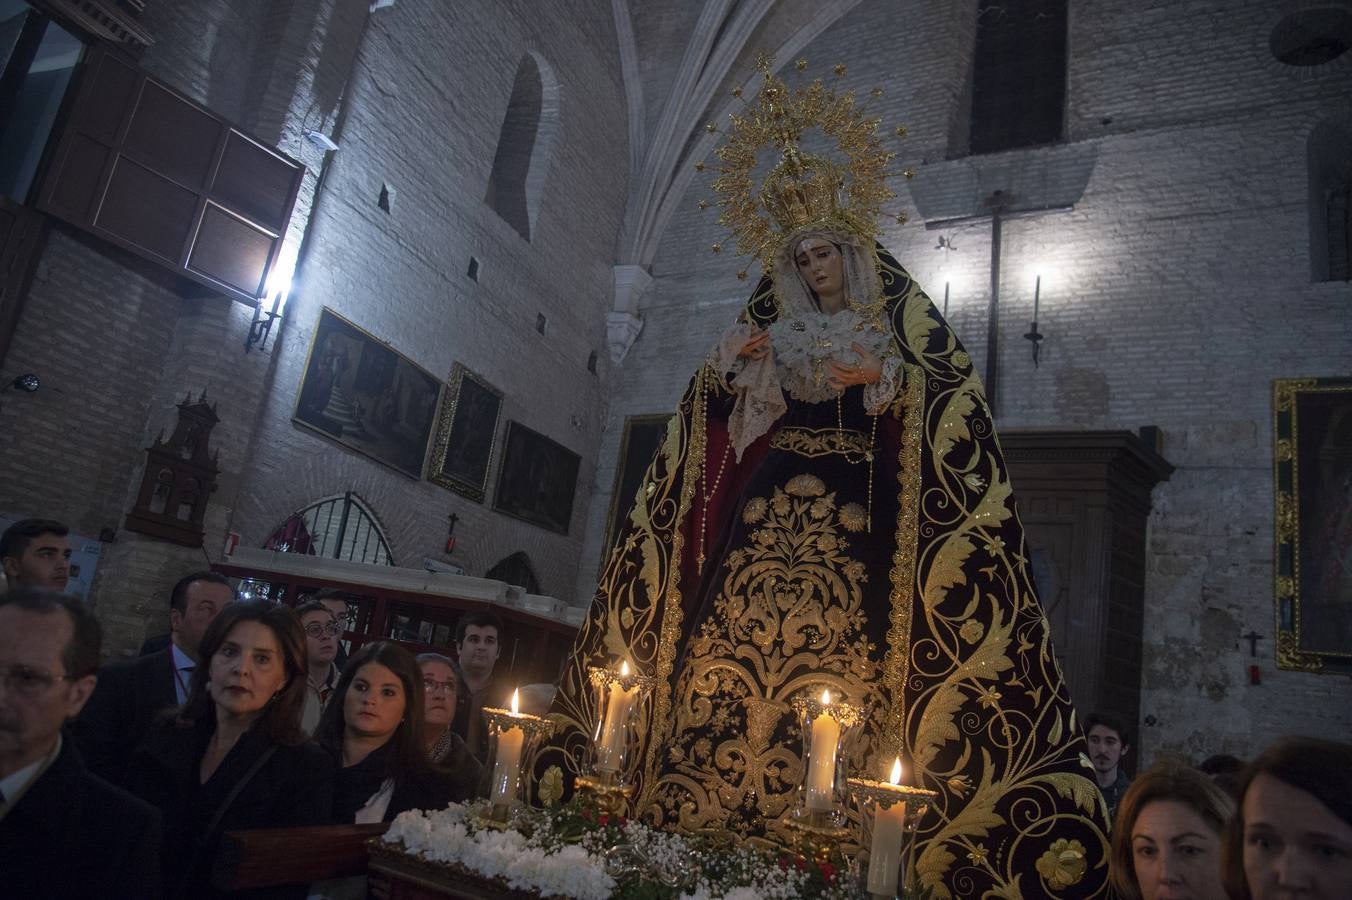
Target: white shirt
183 668
12 786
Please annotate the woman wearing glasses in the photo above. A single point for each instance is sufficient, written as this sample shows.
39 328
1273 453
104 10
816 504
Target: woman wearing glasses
322 630
234 757
441 686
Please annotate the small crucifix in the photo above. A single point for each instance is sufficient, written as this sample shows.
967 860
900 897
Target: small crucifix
1253 638
450 532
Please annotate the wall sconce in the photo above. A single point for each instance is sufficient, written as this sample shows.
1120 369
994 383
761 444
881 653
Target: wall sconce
278 291
946 245
1033 334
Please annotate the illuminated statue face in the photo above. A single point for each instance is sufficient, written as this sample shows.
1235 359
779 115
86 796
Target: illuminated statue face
822 267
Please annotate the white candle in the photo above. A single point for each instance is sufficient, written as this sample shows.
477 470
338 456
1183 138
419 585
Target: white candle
611 742
884 863
821 773
507 765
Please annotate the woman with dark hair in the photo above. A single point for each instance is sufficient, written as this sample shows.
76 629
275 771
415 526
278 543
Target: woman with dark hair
442 684
234 757
1292 835
373 730
1166 839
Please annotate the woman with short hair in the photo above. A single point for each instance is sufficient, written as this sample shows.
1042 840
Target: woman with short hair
442 685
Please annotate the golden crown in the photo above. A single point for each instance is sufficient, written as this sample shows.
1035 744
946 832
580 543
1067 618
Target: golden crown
803 191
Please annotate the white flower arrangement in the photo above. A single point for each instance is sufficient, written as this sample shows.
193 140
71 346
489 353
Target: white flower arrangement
600 862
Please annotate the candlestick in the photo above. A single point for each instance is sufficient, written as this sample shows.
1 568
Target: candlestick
821 775
611 743
618 697
513 732
889 827
945 299
892 805
828 726
1037 294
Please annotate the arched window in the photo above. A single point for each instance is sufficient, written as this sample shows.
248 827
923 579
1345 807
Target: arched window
338 527
516 570
522 158
1330 168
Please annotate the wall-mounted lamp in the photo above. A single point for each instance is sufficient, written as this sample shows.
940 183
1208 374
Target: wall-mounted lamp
278 291
1033 334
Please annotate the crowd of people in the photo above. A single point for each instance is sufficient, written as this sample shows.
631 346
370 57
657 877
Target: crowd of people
251 715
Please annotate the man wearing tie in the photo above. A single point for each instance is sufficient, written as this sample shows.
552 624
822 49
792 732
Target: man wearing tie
131 694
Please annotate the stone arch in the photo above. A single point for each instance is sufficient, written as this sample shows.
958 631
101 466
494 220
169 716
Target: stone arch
525 141
1329 164
517 570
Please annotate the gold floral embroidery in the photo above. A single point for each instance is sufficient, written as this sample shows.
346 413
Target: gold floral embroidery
1063 864
754 510
788 616
551 786
853 517
971 631
815 442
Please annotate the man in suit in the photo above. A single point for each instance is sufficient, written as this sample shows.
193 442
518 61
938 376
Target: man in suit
64 832
131 694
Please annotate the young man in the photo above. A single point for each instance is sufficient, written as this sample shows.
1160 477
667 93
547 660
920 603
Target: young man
131 693
64 832
321 646
336 602
36 554
478 642
1107 745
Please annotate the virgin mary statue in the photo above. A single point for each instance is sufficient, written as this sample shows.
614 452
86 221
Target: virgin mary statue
831 508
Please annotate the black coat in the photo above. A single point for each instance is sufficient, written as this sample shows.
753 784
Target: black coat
127 701
427 788
72 834
294 787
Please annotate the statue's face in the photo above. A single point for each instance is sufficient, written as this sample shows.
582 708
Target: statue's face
820 263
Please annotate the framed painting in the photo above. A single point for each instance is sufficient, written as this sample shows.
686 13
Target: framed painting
1312 460
358 391
537 479
466 433
638 445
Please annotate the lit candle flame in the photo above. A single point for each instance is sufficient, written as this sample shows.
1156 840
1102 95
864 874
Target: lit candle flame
826 697
896 772
516 701
624 669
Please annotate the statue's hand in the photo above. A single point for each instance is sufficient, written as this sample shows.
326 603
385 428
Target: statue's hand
867 370
757 346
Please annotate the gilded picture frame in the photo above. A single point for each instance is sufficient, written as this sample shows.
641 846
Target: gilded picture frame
360 392
467 434
1312 474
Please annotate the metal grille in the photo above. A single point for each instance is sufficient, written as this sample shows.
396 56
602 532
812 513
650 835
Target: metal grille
340 527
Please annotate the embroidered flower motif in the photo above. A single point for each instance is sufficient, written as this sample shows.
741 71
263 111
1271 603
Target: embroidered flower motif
780 504
996 545
959 786
551 786
853 517
961 359
971 631
805 485
975 481
1063 864
977 855
821 508
754 510
989 697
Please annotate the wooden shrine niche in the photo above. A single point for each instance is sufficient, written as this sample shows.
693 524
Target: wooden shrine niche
179 477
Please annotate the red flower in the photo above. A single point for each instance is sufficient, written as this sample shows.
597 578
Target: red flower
784 863
828 872
603 820
801 863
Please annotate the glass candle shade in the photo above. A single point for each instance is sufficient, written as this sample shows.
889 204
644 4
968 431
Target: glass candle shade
829 727
888 813
512 738
619 694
